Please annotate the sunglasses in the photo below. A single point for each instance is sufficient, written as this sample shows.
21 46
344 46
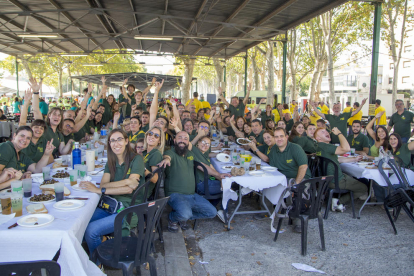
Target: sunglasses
156 135
205 143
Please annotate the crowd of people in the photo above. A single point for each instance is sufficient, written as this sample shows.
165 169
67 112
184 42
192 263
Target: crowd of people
165 132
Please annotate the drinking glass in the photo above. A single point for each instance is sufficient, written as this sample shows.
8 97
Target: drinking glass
6 206
258 164
352 152
89 145
252 164
27 187
17 204
59 191
96 153
82 171
46 173
246 166
73 176
16 186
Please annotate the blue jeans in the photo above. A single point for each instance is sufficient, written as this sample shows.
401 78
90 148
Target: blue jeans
190 207
382 192
101 223
214 187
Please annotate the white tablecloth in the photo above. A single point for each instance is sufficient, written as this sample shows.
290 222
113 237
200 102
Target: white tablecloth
21 244
272 184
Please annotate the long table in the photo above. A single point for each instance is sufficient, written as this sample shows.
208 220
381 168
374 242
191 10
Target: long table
271 185
66 232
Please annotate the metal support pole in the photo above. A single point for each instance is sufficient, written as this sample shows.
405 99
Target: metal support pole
284 72
375 53
196 85
17 77
245 74
224 74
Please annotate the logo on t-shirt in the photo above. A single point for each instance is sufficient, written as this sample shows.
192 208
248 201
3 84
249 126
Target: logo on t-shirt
190 158
398 153
319 153
289 161
403 117
40 149
342 119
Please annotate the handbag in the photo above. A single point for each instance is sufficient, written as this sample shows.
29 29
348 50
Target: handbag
110 204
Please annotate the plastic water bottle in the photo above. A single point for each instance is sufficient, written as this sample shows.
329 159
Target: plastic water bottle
76 155
96 135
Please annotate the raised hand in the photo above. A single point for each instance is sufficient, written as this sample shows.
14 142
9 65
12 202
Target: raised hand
103 79
35 85
117 115
232 119
364 101
158 86
220 91
202 132
125 81
336 131
89 111
153 81
262 101
174 122
49 148
28 96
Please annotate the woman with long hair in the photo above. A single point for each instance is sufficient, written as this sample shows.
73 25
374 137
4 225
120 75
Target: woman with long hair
247 129
263 151
297 131
270 124
98 120
123 173
238 126
401 152
154 143
380 137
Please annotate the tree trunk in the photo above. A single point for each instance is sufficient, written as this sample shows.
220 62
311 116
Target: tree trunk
255 71
27 69
271 73
315 75
187 79
291 58
320 76
326 19
219 71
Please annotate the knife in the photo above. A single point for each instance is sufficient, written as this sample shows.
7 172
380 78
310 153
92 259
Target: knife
78 198
13 225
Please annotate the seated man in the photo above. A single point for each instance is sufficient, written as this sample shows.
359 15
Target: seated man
257 132
357 140
290 160
327 150
180 186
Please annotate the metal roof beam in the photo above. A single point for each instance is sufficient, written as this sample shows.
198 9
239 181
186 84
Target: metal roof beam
163 22
135 20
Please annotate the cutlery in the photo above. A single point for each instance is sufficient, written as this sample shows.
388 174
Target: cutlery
78 198
97 172
13 225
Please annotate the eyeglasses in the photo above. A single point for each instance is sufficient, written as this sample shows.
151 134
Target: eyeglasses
205 143
204 127
119 140
69 127
156 135
141 147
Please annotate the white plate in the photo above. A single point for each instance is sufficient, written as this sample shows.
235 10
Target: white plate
257 173
222 157
30 220
240 139
69 204
77 188
227 169
103 160
269 169
28 200
216 151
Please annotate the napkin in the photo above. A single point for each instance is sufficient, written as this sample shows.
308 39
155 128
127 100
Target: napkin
6 218
306 268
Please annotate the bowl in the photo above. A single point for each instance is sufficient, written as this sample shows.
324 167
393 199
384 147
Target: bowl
247 157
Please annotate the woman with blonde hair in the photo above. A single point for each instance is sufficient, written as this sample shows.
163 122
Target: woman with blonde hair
154 143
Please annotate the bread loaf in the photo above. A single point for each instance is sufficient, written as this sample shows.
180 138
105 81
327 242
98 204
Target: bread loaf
37 208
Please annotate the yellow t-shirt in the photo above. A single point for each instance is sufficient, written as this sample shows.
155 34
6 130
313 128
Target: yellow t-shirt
275 112
251 106
324 109
357 116
207 116
197 104
383 119
314 117
206 104
292 108
287 111
347 109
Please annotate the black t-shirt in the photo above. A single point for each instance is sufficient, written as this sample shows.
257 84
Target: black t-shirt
3 117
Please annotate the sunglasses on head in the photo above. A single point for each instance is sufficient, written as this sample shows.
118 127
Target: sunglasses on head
156 135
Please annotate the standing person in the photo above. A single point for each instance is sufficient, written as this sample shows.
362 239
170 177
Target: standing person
401 121
123 174
322 107
180 185
357 116
128 99
327 150
347 109
16 106
205 103
358 140
337 119
265 115
382 121
293 105
44 108
198 105
235 106
380 137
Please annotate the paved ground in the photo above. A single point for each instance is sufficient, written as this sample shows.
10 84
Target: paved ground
365 246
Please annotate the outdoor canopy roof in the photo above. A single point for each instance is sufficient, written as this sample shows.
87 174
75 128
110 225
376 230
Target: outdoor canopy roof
139 80
219 28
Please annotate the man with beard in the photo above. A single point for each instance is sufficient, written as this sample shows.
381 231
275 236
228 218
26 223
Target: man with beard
185 115
358 141
180 186
145 118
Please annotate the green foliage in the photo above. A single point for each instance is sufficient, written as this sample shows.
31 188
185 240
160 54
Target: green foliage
406 94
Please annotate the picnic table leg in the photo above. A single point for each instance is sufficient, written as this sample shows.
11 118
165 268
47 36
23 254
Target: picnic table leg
235 210
366 201
264 204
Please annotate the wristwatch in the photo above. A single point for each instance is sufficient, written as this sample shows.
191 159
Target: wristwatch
103 191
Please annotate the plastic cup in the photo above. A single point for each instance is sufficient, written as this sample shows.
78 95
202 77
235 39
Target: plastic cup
27 187
96 153
59 191
6 207
258 164
77 167
352 152
89 145
73 176
17 204
46 173
82 171
17 187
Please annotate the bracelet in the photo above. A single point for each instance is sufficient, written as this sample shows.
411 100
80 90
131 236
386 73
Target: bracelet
340 133
36 93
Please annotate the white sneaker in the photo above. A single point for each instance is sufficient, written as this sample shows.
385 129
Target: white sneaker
340 208
363 197
220 215
334 204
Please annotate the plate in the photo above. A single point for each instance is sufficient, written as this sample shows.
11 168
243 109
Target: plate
228 169
216 151
77 188
28 200
257 173
68 204
242 141
222 157
30 220
269 169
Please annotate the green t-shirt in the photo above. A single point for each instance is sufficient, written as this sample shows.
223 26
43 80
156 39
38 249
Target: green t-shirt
203 158
265 117
82 132
145 128
358 143
35 152
152 158
341 122
180 175
68 137
289 124
143 105
107 115
230 131
289 161
328 151
259 137
265 149
402 123
128 108
8 157
237 111
306 143
56 136
405 155
137 135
